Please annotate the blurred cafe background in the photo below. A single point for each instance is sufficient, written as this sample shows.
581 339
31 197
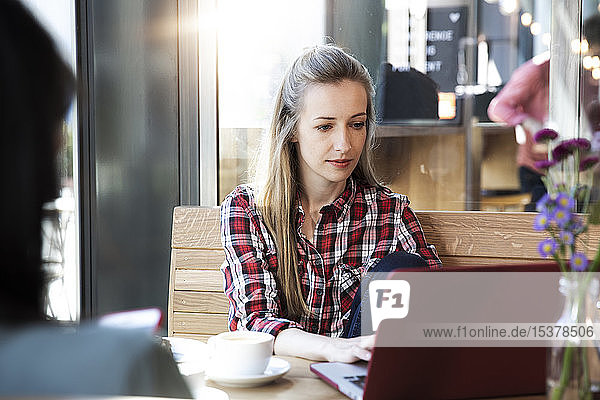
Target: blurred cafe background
174 96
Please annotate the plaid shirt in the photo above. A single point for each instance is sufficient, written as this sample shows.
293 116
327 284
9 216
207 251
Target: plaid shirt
360 227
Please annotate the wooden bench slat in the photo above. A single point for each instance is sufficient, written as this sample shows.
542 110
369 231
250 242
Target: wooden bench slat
199 280
484 234
207 302
199 258
197 323
196 228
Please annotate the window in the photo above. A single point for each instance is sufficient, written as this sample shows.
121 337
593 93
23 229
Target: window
450 159
256 42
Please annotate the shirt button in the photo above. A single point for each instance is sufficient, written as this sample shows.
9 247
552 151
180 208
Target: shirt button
319 292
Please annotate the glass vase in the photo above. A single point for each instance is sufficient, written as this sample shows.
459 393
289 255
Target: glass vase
573 369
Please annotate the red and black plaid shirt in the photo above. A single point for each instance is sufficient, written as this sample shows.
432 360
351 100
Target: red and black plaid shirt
360 227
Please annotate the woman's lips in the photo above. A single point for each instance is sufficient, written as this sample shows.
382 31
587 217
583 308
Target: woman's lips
340 163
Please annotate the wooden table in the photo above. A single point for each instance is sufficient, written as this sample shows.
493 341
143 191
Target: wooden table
299 383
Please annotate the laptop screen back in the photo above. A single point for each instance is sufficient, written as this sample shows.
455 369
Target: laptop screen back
458 372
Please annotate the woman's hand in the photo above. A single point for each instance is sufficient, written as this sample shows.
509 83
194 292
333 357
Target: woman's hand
298 343
350 350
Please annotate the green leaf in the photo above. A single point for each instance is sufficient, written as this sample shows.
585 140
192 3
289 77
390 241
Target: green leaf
594 217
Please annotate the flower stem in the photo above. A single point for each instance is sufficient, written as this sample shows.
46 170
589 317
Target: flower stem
584 390
561 263
565 373
576 172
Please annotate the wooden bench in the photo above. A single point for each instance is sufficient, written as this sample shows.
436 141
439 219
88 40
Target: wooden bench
198 308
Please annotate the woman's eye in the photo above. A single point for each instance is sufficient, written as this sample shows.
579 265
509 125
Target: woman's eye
324 128
358 125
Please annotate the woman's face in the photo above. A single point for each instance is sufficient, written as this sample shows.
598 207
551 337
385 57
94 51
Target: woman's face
331 133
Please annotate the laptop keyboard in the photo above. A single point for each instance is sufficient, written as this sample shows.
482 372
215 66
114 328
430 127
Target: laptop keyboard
358 380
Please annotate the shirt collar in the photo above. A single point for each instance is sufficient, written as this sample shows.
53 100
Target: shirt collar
339 206
342 204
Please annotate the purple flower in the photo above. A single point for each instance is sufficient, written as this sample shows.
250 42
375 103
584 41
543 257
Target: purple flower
547 247
542 204
541 222
588 163
544 164
579 262
545 135
581 143
562 151
566 237
562 217
564 201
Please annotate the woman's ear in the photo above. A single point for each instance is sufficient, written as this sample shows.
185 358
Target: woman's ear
294 138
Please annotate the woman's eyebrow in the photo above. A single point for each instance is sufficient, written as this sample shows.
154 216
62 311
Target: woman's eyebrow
332 118
327 118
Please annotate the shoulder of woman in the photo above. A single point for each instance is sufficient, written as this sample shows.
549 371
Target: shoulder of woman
240 201
383 194
240 196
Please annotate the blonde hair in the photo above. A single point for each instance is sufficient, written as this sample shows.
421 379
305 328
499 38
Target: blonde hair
276 175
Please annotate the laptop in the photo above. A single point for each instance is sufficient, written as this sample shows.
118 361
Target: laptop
443 372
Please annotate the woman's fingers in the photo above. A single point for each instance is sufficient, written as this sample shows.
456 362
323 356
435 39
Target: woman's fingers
367 342
361 353
351 350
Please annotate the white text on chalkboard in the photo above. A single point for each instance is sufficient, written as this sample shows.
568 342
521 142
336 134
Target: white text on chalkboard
433 66
440 36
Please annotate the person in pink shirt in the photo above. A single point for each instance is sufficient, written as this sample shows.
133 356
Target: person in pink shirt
523 103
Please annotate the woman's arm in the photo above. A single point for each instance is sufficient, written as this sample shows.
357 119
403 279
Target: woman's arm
414 239
298 343
250 283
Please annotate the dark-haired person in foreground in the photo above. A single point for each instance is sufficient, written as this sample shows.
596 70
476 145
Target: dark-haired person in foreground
38 357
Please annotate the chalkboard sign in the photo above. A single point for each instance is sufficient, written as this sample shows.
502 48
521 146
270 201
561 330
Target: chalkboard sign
445 27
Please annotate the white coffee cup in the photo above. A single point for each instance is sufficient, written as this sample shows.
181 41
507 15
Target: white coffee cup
239 353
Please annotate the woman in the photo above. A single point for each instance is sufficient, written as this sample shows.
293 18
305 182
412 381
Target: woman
298 242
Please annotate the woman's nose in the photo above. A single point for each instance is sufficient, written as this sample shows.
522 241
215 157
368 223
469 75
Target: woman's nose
342 141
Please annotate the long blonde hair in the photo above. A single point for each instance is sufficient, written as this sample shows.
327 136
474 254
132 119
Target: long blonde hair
277 175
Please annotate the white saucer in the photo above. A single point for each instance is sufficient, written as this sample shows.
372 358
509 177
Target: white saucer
277 368
209 393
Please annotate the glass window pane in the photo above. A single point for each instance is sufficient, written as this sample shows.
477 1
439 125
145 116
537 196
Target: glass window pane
436 66
256 42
